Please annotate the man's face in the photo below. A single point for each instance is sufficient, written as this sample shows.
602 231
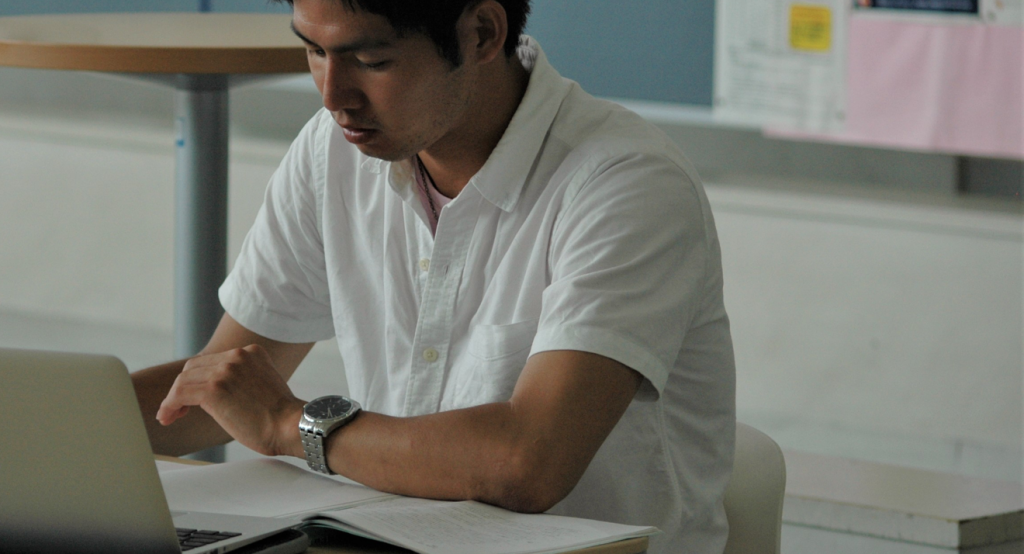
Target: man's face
394 97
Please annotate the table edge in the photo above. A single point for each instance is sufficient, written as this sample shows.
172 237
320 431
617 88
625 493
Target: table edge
148 59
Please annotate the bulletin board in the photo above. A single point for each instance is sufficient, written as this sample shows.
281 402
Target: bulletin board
929 75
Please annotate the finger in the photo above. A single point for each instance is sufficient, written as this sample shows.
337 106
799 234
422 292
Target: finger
167 416
257 350
188 390
173 408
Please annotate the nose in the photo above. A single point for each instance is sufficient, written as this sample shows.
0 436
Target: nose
340 91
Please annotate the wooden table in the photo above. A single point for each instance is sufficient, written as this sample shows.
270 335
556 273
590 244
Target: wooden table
201 55
351 544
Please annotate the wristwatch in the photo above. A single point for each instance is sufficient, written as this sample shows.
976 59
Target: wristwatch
320 417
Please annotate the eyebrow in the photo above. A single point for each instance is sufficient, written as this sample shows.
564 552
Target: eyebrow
355 46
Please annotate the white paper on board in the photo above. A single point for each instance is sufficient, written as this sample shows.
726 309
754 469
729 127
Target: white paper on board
781 63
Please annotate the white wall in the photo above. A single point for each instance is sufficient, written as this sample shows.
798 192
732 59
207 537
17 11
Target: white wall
87 216
877 329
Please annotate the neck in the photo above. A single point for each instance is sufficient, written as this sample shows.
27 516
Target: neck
454 161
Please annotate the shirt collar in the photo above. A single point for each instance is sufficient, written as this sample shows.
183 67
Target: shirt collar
500 181
502 178
399 175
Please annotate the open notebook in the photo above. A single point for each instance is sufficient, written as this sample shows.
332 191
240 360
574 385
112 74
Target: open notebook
77 474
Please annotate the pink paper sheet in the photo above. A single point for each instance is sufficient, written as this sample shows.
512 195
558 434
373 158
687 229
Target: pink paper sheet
954 88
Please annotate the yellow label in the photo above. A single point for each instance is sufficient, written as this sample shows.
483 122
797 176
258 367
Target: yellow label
810 27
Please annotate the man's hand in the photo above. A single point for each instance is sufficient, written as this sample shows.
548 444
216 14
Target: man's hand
239 380
245 394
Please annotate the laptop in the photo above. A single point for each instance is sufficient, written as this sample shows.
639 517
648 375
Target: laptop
77 474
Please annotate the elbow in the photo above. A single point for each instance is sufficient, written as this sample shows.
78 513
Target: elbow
532 484
536 501
528 498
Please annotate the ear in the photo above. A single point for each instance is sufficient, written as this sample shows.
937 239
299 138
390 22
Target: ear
482 31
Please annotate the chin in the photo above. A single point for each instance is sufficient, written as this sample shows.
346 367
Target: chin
386 156
383 154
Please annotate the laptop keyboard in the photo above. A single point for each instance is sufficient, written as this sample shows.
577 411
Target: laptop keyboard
193 538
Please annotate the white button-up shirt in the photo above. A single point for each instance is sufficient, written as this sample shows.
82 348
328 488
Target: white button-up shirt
586 229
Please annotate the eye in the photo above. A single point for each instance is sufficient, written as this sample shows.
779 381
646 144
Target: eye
372 65
317 52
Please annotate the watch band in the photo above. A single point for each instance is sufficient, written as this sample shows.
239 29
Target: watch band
313 445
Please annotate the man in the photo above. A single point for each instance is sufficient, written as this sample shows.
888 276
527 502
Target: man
524 283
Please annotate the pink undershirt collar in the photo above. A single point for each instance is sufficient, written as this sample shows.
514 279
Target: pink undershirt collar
431 198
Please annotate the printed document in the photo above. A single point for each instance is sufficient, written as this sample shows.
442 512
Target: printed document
272 487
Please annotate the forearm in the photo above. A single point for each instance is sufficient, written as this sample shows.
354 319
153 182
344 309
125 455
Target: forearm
525 454
196 431
481 453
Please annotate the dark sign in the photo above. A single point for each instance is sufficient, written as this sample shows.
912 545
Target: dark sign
958 6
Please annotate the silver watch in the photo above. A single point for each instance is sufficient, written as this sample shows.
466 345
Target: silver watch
319 418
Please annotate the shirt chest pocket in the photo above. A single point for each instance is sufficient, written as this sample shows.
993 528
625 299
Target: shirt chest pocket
495 356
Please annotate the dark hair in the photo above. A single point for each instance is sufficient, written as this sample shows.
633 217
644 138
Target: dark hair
437 19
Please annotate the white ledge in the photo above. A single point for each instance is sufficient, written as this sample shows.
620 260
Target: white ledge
901 504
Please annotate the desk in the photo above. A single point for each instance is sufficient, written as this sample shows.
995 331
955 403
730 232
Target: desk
357 545
201 56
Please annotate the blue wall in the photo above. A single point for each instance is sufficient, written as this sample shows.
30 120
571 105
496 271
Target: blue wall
647 50
650 49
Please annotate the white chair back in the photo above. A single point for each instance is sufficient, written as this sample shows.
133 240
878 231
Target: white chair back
753 498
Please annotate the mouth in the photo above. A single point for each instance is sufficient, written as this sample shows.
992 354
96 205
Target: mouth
358 135
355 132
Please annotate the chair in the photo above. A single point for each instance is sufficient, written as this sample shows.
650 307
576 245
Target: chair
753 498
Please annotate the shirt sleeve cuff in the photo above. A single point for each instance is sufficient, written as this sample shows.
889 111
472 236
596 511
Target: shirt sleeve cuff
610 345
253 315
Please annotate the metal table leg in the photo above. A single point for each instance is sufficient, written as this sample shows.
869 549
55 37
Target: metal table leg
201 200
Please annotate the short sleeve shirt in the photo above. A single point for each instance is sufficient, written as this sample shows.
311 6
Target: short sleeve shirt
586 229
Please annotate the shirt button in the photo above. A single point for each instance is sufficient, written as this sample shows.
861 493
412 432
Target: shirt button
430 355
425 264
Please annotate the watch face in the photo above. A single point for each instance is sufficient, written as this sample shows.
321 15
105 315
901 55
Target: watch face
328 407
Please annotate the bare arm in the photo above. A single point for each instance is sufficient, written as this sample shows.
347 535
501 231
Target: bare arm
196 430
525 454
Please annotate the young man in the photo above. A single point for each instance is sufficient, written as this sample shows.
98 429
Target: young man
524 283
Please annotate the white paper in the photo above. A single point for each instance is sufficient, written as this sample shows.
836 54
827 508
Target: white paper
271 487
264 487
766 76
163 466
433 527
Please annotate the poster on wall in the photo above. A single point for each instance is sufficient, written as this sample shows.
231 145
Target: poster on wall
781 63
932 79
